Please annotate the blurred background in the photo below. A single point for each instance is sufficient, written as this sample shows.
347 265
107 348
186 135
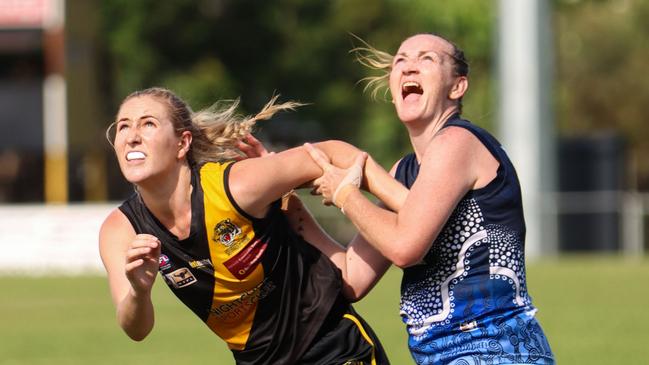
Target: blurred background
560 82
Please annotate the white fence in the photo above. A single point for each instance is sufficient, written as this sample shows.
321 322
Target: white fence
62 239
632 208
50 239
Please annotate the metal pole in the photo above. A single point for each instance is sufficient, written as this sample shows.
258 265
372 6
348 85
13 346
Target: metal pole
55 104
527 130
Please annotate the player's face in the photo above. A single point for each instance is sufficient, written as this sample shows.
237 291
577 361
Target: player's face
146 143
421 77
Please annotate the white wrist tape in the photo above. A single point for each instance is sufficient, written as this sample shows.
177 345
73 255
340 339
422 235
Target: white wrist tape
353 177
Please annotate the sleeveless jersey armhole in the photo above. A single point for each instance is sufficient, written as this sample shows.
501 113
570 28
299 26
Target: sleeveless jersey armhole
495 149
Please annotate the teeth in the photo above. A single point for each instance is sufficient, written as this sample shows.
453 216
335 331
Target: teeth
134 155
408 84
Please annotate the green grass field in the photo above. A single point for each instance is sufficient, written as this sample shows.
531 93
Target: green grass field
593 309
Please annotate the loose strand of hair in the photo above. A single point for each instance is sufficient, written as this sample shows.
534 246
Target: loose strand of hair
219 128
373 59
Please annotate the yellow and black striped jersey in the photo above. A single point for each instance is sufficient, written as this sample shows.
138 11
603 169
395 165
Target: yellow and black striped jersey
254 282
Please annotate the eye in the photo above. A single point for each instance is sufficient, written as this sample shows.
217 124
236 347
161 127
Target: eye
398 59
121 126
149 123
429 58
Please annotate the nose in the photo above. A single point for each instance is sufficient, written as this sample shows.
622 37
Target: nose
133 136
410 66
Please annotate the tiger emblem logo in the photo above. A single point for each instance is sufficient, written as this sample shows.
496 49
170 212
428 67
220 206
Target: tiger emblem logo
226 232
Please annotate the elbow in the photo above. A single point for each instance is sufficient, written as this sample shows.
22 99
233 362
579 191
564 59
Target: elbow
137 336
136 331
405 258
352 294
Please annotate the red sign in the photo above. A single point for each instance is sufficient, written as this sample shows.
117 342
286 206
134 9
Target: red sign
244 262
25 13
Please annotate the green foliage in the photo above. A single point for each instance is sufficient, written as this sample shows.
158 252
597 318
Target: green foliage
207 50
602 48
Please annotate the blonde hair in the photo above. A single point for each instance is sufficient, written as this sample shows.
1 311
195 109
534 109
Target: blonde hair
215 130
374 59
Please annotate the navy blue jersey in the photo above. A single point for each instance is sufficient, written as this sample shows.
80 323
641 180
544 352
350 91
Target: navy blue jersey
467 301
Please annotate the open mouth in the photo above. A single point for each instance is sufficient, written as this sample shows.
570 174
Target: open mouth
135 155
411 88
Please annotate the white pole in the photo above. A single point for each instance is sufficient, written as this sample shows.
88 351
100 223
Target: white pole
526 123
55 103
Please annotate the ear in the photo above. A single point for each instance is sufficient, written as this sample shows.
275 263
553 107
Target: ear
184 144
459 88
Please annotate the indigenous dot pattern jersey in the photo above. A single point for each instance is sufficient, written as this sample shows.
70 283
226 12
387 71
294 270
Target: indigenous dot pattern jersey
271 296
467 301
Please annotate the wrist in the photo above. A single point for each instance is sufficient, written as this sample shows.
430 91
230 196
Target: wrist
140 294
343 194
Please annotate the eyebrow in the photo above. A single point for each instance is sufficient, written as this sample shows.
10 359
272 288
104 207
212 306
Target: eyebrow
422 52
142 117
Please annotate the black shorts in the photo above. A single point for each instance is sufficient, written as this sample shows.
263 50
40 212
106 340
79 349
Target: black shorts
345 338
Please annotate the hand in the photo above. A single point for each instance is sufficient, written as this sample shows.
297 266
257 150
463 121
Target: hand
335 180
251 148
142 256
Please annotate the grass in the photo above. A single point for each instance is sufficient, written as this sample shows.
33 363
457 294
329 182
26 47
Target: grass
593 309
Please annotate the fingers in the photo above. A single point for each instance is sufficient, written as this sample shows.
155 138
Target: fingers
254 143
252 147
143 247
257 146
246 149
318 156
361 159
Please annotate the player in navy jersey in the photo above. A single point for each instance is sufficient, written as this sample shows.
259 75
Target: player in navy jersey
459 234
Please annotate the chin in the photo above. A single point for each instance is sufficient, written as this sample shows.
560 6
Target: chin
408 113
134 177
409 117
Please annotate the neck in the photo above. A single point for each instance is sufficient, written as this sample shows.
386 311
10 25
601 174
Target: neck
422 132
170 200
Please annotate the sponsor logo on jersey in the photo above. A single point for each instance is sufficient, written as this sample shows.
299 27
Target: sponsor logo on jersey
246 260
233 310
180 278
228 234
200 263
164 262
468 326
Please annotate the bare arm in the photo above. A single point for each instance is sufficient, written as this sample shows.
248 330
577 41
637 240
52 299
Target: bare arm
448 171
375 179
361 265
131 262
256 182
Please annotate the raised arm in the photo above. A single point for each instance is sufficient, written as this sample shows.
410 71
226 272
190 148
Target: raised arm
256 182
406 236
376 180
131 262
361 265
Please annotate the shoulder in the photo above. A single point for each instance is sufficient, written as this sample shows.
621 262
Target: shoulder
452 141
454 132
116 227
210 170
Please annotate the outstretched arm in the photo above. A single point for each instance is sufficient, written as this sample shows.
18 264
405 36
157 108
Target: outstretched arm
406 236
361 265
256 182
